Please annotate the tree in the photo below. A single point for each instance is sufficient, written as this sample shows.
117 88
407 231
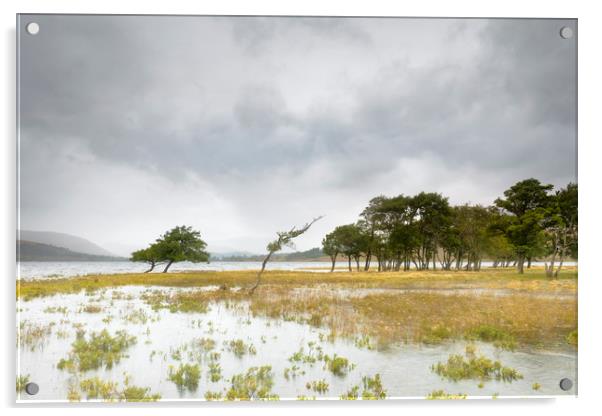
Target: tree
331 247
432 216
394 238
525 196
285 239
181 244
471 223
147 255
527 201
561 228
350 241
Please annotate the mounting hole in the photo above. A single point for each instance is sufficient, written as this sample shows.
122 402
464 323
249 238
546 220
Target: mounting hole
33 28
32 389
566 384
566 32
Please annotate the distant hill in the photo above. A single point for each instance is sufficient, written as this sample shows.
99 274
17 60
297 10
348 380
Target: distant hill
68 241
33 251
231 254
314 254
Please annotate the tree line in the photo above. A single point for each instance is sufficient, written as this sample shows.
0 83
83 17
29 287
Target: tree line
531 221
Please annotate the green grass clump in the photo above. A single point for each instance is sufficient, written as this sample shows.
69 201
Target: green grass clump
339 366
22 382
33 335
364 341
442 395
185 376
351 394
139 394
101 349
293 372
319 386
373 388
571 338
255 384
536 386
56 309
204 344
213 395
91 308
497 336
313 355
215 372
474 367
96 388
436 334
186 302
239 348
137 317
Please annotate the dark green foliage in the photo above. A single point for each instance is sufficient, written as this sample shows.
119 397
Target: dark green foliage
178 244
148 255
181 244
561 228
424 232
527 202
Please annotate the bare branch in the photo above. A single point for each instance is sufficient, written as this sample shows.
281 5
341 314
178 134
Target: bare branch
284 239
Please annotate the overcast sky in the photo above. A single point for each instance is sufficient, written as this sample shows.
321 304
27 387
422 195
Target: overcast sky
241 127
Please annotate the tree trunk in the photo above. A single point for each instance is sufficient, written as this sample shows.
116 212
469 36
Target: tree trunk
562 253
167 266
265 261
529 262
334 262
151 267
520 265
349 260
368 258
559 266
550 268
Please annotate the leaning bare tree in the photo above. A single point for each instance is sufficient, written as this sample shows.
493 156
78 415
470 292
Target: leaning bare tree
285 239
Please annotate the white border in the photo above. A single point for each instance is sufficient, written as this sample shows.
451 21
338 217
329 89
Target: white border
590 134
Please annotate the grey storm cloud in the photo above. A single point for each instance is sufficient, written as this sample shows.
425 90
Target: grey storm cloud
241 126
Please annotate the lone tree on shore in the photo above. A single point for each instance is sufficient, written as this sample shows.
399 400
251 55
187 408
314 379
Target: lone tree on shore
147 255
285 239
178 244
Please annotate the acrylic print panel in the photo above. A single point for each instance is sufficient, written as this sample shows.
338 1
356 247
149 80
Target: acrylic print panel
264 208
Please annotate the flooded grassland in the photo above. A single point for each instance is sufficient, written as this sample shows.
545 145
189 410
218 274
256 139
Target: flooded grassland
301 335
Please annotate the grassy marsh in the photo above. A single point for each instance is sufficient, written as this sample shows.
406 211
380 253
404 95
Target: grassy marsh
344 319
533 280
